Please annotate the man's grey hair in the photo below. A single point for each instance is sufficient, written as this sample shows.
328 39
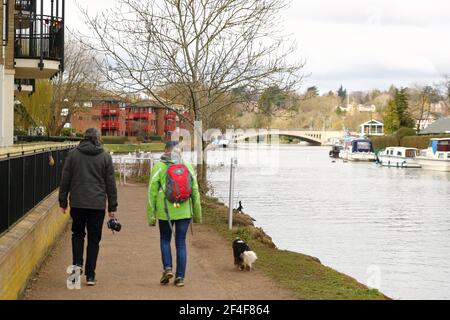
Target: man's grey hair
92 135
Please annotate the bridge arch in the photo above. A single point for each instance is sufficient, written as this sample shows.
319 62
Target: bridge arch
313 138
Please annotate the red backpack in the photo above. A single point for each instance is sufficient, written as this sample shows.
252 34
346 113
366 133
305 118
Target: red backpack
178 183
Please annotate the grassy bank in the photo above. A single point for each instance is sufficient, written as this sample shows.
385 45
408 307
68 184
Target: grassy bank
127 148
304 275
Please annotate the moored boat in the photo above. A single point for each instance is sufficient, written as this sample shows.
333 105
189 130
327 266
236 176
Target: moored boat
358 150
437 156
399 157
335 151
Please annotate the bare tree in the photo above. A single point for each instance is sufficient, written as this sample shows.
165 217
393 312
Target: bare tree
204 49
76 85
420 99
444 91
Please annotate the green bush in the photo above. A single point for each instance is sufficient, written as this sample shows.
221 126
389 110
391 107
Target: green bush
420 142
18 132
405 132
411 141
66 132
155 138
114 140
380 143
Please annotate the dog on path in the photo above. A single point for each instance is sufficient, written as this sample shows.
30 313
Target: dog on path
244 257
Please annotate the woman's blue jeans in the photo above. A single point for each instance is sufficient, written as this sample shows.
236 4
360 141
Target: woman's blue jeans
181 228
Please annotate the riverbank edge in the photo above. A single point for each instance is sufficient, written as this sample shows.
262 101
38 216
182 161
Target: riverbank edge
304 275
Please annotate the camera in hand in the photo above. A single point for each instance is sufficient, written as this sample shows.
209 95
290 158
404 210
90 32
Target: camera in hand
114 225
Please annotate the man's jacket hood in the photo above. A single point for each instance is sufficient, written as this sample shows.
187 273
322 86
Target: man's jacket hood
88 148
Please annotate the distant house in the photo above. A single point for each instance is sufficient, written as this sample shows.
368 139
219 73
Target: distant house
441 126
372 128
425 122
439 107
363 108
348 109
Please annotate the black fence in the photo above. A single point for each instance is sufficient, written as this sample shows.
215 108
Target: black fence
32 139
25 181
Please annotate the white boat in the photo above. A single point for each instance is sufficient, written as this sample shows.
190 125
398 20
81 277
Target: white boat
358 150
437 156
399 157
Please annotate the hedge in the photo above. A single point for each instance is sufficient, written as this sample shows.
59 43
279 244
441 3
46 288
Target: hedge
380 143
419 142
114 140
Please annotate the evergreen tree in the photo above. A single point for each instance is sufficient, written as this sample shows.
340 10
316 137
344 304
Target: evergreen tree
342 93
312 92
271 98
402 108
391 119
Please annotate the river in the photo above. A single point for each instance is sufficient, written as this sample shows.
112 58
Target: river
388 228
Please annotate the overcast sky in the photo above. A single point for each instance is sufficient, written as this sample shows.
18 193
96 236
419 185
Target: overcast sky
360 44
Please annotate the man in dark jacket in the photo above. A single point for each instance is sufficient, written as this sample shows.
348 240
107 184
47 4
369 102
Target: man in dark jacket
88 177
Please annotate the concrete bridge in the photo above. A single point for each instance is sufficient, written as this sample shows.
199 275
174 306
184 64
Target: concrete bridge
313 137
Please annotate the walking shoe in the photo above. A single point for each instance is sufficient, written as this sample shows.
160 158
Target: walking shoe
90 281
179 282
167 275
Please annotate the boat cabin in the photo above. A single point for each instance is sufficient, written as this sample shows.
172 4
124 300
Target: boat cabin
362 145
401 152
440 148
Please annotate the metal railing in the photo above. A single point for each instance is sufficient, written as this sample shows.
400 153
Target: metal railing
136 165
26 179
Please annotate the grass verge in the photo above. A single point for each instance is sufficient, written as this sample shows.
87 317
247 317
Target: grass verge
127 148
305 276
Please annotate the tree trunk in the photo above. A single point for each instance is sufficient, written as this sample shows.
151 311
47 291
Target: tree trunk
202 171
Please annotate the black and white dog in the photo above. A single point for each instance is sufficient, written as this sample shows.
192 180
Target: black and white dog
244 257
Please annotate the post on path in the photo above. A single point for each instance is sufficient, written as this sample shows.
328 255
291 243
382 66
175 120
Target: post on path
230 204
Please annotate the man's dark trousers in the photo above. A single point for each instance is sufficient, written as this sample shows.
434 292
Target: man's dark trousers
92 220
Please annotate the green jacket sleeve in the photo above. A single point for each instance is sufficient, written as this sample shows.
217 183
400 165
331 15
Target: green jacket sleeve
153 189
196 202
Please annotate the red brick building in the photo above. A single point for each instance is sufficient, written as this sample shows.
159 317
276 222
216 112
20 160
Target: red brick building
104 115
144 119
140 120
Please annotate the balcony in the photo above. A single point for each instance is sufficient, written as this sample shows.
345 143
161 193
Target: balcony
143 115
38 38
171 116
110 112
170 127
25 85
110 125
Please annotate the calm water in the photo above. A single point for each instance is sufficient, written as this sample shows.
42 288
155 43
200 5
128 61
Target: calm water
391 226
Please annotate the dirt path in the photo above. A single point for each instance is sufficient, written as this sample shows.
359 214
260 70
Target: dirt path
129 265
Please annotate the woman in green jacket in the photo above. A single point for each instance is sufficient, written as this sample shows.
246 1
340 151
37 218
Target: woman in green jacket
179 216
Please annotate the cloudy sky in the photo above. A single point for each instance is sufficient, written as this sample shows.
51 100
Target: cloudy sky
360 44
